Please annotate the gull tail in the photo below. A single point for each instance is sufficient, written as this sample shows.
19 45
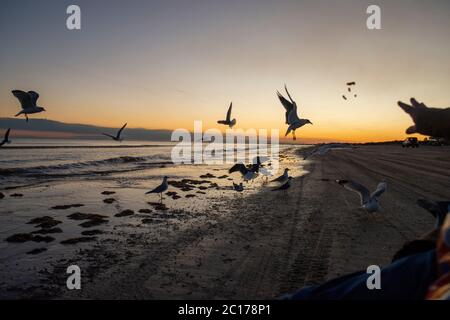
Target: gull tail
288 131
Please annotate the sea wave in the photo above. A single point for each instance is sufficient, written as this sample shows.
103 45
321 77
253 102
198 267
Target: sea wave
92 167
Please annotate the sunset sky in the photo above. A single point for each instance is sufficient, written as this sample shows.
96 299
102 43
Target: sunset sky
163 64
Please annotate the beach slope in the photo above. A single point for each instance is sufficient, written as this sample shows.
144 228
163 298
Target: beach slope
273 243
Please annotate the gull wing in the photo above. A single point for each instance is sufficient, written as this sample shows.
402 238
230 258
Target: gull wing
229 112
121 129
288 105
292 117
24 99
158 189
280 178
7 135
381 188
284 186
108 135
34 97
356 187
238 167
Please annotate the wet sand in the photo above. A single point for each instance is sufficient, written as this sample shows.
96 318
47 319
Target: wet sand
270 243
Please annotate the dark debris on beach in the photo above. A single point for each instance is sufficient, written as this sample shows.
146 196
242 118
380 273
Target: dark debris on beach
78 240
124 213
67 206
25 237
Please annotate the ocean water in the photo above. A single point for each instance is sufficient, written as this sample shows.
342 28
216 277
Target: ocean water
29 161
37 176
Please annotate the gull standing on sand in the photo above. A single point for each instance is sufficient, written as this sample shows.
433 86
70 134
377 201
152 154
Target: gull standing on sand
28 102
292 118
283 178
118 136
228 122
439 209
368 201
161 188
238 187
6 138
285 185
323 149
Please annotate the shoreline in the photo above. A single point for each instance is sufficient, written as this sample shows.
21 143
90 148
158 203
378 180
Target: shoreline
266 244
262 251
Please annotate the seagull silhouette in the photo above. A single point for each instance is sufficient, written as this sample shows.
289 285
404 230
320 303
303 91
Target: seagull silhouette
28 102
118 136
238 187
229 122
292 118
6 138
250 171
161 188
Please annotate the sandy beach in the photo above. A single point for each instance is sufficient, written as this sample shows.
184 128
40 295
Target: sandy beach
256 246
274 243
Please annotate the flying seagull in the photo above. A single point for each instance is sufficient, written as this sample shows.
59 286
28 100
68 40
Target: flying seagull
6 138
283 178
228 122
161 188
292 118
248 172
438 209
238 187
285 185
368 201
28 102
118 136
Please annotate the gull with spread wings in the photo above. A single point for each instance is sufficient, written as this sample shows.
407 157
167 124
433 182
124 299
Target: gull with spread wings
28 102
292 118
369 201
228 122
118 137
6 138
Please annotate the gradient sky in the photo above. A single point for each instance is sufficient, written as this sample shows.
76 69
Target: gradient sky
163 64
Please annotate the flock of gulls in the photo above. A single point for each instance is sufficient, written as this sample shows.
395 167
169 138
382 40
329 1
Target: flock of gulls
28 101
369 201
